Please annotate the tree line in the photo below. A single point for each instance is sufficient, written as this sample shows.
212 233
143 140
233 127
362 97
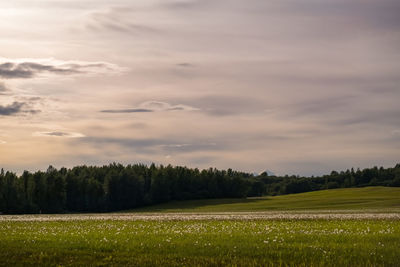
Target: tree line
116 187
275 185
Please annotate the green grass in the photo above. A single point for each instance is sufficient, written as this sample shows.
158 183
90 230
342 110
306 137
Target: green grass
208 242
367 198
216 242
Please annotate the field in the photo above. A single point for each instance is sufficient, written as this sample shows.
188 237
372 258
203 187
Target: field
375 199
250 237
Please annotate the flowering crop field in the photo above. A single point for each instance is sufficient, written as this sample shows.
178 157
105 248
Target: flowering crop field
242 239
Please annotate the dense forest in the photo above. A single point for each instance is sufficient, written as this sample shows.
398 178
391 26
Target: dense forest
117 187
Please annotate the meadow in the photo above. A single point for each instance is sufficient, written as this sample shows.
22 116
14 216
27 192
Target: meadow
367 199
251 237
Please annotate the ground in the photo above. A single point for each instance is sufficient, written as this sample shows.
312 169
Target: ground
222 233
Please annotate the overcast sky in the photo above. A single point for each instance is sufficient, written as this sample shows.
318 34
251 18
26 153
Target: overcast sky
293 87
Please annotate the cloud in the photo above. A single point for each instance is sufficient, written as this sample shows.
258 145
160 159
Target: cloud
3 89
274 82
190 144
11 70
21 105
144 145
30 68
2 142
152 106
372 117
164 106
129 110
192 147
155 145
229 105
187 4
345 110
11 109
316 107
185 65
381 14
59 134
117 19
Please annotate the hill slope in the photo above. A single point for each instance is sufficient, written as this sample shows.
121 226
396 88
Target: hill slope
367 198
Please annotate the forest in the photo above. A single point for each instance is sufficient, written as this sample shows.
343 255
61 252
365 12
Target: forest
117 187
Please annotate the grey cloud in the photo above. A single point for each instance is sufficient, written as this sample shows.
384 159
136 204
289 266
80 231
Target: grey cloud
30 69
117 20
176 108
192 147
182 4
59 134
11 109
179 144
356 80
341 114
56 134
138 125
131 110
3 89
322 106
10 70
271 65
357 15
34 98
377 117
227 105
303 22
185 65
374 14
153 145
187 4
152 106
137 145
204 160
123 19
306 167
22 105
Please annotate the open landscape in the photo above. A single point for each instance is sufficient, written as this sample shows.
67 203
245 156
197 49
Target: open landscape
200 133
366 199
351 229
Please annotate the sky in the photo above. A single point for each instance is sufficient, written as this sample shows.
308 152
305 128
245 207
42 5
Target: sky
288 86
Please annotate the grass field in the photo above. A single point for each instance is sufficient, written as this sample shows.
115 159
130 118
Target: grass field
204 242
341 237
368 198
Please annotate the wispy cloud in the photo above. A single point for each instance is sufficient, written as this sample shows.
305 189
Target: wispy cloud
3 89
186 4
9 70
155 145
152 106
226 84
30 68
229 105
185 65
22 105
59 134
11 109
117 19
128 110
